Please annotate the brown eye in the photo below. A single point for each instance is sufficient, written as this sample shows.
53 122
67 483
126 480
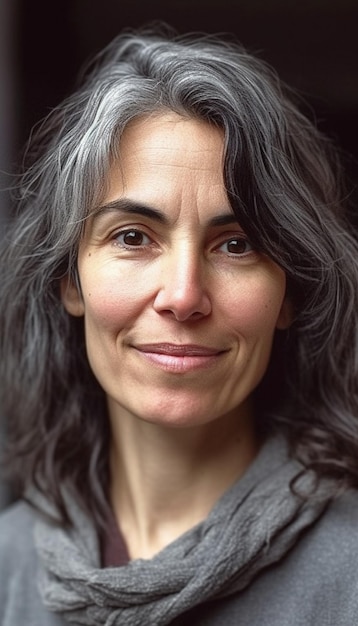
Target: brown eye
236 246
132 238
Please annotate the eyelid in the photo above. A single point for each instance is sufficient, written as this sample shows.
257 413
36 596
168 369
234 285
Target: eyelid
232 234
128 229
225 238
109 224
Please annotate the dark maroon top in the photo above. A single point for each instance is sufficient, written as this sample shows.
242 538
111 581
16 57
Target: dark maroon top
114 551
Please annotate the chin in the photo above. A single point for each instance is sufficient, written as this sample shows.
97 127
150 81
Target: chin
177 418
174 422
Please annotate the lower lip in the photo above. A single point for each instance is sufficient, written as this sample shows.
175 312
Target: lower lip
181 364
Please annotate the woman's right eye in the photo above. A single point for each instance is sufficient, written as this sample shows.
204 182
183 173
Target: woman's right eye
131 238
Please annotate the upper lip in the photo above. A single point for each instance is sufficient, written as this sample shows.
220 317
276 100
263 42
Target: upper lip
188 349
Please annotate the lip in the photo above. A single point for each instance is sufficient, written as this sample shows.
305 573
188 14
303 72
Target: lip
180 358
178 349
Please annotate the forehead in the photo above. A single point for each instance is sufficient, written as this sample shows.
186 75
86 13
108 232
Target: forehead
171 139
170 163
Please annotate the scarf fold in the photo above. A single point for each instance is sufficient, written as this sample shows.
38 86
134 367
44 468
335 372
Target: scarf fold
252 526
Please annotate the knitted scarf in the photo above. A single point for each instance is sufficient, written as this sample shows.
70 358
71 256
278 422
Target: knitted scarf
252 526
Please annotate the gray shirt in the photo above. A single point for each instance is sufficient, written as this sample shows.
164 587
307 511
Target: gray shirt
315 584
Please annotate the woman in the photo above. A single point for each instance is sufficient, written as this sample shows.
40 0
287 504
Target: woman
179 353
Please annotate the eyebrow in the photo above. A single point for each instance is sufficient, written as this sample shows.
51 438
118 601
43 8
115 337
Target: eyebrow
125 205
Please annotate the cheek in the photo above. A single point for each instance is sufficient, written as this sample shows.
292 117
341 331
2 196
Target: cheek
254 309
109 303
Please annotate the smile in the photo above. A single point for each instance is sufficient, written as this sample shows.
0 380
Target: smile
180 358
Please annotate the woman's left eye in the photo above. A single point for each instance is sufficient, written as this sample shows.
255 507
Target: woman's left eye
236 246
132 238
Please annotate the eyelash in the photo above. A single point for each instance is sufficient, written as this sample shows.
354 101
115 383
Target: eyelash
127 231
137 246
241 240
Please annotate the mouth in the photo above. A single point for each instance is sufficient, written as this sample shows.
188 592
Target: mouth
180 358
178 349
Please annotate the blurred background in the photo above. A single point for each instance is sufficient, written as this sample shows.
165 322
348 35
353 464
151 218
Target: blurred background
313 45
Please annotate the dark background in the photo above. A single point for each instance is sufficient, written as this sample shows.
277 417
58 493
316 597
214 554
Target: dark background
313 44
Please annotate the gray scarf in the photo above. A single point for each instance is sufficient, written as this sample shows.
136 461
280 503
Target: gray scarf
252 526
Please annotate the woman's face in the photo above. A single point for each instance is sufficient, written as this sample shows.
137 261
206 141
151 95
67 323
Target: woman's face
179 309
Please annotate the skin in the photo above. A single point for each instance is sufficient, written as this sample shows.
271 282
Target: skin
180 314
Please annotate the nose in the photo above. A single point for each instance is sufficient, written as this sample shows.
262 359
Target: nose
183 292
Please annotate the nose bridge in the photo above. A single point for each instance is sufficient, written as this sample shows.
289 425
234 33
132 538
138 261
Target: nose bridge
186 266
183 288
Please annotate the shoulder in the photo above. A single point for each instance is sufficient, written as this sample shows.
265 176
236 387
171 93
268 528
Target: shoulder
16 517
335 535
326 554
322 568
314 584
17 551
16 528
20 601
344 507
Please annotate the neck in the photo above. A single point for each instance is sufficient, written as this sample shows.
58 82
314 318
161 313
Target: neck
166 480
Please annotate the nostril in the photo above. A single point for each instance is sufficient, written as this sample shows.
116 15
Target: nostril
183 304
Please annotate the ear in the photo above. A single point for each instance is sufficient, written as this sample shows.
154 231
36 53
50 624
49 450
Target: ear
285 317
71 296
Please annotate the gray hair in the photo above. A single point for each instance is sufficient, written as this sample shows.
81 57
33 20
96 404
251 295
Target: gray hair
282 181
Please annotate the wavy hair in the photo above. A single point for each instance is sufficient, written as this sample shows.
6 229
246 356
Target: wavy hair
283 182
